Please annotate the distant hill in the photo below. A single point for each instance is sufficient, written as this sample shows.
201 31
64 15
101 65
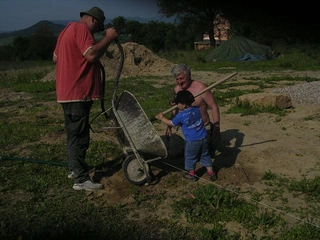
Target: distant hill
56 27
109 20
7 37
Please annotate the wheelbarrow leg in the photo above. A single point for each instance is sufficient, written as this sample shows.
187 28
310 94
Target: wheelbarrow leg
149 173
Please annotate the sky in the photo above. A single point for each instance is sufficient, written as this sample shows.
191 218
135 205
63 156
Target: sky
21 14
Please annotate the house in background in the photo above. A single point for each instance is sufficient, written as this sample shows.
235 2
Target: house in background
221 33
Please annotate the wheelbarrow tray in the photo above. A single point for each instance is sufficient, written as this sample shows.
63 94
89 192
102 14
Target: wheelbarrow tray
137 127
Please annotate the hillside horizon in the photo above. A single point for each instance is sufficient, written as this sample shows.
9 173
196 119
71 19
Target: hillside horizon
108 20
56 26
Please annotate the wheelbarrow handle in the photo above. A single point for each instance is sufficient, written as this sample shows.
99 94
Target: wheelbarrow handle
199 93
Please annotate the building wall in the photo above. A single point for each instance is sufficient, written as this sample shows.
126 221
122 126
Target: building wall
221 33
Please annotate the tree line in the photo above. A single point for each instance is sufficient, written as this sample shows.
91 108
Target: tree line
155 35
265 25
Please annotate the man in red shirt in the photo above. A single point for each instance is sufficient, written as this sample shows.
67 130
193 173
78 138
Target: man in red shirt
78 83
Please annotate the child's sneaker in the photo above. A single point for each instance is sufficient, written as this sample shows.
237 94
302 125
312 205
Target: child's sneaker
193 178
213 177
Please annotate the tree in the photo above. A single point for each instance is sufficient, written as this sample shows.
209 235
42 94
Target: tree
120 23
19 48
134 30
155 35
201 11
41 44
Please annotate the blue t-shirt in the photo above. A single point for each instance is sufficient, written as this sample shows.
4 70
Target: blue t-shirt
191 124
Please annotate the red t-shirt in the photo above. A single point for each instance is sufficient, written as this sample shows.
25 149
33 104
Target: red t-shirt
76 78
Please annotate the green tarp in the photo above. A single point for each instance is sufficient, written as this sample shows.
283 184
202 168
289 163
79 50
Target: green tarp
239 49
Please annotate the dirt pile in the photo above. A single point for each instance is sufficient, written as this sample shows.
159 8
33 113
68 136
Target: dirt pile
137 61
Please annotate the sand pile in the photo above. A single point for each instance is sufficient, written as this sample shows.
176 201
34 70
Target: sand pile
137 61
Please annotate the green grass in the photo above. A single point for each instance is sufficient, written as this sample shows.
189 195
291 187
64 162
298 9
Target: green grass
298 58
37 202
245 109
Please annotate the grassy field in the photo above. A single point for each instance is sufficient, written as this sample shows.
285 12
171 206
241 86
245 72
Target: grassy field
37 202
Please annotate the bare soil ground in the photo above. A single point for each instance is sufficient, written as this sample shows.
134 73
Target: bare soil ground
251 146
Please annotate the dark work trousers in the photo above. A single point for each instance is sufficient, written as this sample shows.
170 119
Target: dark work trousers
76 120
213 140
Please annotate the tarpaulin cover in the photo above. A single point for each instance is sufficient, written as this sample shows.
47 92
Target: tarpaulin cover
239 48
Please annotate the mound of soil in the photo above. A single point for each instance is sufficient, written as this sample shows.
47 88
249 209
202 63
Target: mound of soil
137 61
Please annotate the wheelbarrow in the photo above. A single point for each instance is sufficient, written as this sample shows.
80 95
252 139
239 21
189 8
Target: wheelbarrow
140 142
139 139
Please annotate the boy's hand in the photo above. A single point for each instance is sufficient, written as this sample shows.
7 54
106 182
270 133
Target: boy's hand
159 116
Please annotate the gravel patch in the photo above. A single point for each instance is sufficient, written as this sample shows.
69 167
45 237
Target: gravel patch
305 93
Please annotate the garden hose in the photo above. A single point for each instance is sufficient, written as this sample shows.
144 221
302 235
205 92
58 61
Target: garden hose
116 82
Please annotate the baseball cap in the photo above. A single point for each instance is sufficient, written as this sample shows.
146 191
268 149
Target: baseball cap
184 97
98 14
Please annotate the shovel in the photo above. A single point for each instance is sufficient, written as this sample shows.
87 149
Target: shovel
199 93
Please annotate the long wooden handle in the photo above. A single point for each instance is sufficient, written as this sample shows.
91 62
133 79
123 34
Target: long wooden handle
204 90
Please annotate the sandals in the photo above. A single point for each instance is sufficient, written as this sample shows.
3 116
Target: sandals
213 177
192 178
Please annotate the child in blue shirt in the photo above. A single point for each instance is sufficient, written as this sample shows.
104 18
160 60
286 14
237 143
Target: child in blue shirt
195 134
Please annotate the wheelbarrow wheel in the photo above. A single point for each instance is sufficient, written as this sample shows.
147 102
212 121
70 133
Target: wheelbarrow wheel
133 171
